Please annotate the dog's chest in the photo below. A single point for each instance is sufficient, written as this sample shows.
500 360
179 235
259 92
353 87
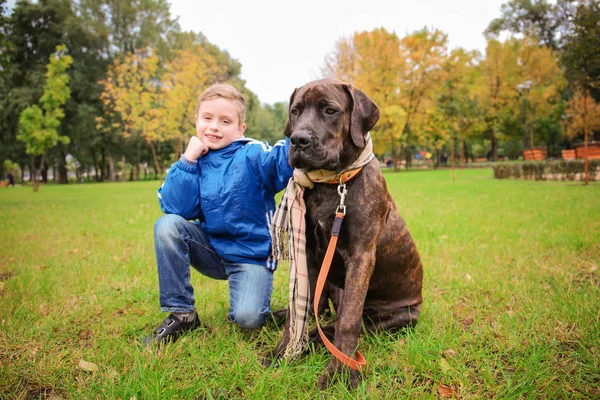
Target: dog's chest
321 204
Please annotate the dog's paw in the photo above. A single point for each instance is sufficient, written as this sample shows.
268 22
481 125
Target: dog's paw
336 371
270 360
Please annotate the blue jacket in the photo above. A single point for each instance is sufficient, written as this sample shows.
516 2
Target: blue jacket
230 195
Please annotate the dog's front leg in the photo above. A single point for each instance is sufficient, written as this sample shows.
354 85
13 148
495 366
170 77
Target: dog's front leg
348 325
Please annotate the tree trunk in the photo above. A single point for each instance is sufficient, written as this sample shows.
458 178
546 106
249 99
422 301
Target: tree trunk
452 157
32 174
22 166
123 169
96 169
102 164
178 148
585 137
494 140
111 168
44 172
394 155
461 148
62 168
155 158
408 157
36 183
137 160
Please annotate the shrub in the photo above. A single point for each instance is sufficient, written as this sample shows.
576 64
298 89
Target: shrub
542 170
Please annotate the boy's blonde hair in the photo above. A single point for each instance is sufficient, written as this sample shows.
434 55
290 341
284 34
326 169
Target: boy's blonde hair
228 92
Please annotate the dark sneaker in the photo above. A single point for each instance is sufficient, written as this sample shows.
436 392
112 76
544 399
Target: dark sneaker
170 330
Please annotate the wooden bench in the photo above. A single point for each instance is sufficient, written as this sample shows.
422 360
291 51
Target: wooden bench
593 152
569 154
534 154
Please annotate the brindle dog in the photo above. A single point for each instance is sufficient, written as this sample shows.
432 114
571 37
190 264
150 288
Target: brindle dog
376 261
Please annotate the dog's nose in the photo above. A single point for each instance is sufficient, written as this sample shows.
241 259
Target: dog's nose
300 139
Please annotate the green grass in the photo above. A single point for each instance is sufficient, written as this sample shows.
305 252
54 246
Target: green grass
511 286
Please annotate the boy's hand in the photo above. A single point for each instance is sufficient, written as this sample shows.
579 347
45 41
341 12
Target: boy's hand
195 149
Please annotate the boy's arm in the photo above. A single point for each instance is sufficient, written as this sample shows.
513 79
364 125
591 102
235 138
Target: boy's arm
180 193
275 169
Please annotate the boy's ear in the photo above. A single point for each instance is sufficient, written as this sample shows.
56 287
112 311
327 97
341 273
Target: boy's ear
241 130
288 126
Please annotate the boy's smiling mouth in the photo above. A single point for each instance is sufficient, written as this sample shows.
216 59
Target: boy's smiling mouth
212 137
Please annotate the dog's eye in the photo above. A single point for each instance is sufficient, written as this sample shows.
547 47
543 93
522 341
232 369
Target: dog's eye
294 111
330 110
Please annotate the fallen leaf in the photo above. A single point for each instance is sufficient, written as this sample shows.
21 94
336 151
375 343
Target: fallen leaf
509 310
446 392
112 374
401 342
44 309
88 366
75 251
448 353
467 322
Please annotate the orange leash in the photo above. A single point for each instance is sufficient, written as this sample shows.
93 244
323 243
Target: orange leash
360 361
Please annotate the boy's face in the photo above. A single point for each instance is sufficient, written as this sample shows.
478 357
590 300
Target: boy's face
217 123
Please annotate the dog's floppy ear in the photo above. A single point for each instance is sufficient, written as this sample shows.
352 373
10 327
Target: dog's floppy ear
287 131
364 115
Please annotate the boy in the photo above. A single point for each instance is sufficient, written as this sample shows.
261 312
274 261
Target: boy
226 184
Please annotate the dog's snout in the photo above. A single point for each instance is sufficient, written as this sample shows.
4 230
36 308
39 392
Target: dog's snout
300 139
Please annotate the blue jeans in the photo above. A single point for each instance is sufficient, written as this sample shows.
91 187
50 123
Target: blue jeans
179 244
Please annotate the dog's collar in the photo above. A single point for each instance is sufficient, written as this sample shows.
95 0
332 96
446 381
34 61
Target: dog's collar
345 176
309 178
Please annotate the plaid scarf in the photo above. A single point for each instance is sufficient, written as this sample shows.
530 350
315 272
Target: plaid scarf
289 242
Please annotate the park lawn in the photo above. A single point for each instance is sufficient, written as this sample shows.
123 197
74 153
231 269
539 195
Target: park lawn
511 300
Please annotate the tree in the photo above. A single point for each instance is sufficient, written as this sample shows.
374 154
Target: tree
187 74
574 121
582 61
457 115
371 61
37 127
398 74
131 89
538 65
533 18
424 54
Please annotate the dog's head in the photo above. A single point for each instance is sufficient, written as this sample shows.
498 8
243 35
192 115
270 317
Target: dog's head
328 121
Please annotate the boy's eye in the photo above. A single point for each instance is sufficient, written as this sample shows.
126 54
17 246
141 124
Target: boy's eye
330 110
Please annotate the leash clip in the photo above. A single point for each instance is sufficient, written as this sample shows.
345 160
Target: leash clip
342 192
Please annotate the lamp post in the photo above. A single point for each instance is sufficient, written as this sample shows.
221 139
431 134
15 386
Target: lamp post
524 89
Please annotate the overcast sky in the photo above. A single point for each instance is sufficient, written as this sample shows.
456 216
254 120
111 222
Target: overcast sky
282 44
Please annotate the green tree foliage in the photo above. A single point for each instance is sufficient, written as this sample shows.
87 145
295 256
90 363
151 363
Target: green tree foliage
38 127
581 52
534 18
